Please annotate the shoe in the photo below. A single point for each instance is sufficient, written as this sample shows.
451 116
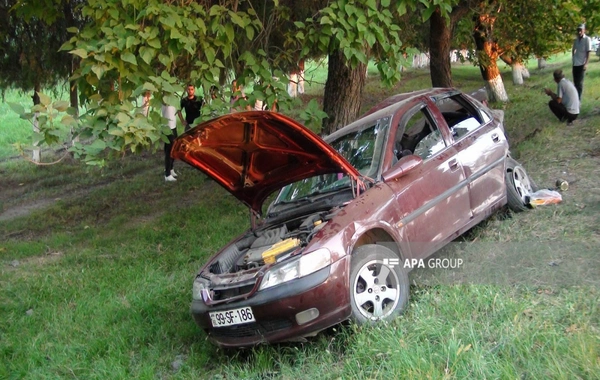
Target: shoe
170 178
569 123
173 174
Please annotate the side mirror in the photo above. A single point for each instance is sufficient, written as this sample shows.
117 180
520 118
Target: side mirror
402 167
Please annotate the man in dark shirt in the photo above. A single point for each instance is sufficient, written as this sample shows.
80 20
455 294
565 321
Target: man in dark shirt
191 104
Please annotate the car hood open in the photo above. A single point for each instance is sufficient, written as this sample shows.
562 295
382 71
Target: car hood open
255 153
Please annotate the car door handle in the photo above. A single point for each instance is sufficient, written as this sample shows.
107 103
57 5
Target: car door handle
495 137
453 163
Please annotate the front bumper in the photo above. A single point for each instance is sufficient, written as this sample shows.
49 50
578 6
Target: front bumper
275 309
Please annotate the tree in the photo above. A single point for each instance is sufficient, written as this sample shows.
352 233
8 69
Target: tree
498 30
130 48
133 47
31 34
442 21
350 34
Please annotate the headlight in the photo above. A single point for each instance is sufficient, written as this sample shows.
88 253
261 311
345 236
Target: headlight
197 289
306 264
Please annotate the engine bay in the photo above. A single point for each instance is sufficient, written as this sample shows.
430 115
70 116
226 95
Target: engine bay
269 245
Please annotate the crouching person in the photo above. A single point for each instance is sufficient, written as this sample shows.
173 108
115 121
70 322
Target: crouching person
564 103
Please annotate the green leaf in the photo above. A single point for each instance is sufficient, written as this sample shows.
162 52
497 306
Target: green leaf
401 8
61 105
201 25
146 54
97 145
220 64
385 3
17 108
250 32
73 30
175 34
99 70
210 54
168 21
79 52
171 100
154 42
44 99
131 41
164 59
427 13
68 120
236 19
370 38
325 20
114 13
229 32
129 57
67 46
248 58
217 10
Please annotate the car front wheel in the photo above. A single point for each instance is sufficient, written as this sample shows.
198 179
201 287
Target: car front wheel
379 285
518 186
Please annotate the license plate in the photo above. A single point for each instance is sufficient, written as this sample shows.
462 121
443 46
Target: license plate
231 317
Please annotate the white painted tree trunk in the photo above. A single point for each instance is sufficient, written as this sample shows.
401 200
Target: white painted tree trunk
36 153
525 72
293 85
542 63
517 74
496 91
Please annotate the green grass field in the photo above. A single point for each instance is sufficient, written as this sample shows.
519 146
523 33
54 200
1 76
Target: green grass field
96 268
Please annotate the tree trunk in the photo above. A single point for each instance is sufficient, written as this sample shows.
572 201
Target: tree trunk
495 89
487 54
75 104
36 154
542 63
343 91
440 41
440 37
517 74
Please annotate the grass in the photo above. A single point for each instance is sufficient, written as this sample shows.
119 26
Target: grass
96 269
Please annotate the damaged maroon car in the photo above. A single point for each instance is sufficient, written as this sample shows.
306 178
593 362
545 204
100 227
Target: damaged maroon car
398 184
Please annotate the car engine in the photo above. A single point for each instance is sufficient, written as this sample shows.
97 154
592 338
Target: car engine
269 245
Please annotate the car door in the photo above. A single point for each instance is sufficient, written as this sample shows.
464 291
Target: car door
433 200
481 148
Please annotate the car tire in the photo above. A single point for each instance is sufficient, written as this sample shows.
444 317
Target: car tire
379 284
518 186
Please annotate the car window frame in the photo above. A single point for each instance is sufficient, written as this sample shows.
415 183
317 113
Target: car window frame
474 109
426 108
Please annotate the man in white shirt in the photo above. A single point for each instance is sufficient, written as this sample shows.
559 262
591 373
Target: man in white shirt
565 103
582 45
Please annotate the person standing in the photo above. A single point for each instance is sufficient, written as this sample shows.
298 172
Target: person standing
582 45
191 104
168 112
564 103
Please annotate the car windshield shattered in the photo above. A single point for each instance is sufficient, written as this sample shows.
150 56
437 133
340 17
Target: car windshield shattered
362 148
